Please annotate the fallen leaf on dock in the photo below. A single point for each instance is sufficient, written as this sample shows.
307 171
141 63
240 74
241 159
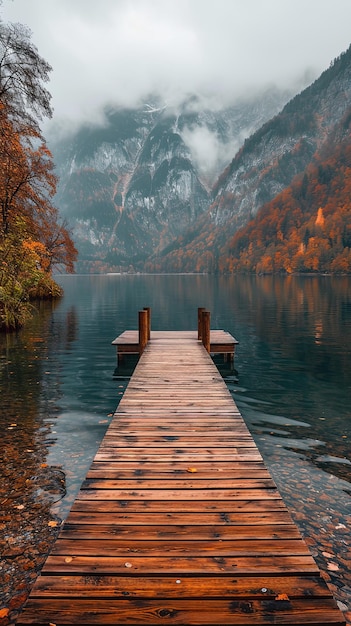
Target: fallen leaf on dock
282 596
191 470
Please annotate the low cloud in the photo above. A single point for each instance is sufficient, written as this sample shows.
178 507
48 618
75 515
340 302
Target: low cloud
115 52
209 153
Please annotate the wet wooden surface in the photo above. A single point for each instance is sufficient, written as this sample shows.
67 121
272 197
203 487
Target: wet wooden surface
178 521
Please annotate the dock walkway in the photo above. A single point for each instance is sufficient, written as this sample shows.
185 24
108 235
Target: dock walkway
178 520
221 342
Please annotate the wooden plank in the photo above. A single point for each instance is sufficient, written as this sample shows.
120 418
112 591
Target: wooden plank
106 454
167 436
272 516
242 483
172 495
223 539
242 588
160 472
164 532
178 469
190 612
164 565
178 521
187 506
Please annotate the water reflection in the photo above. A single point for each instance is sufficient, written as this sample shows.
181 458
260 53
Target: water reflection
294 360
293 357
307 319
59 385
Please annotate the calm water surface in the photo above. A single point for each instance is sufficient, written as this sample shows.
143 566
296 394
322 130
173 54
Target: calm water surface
292 383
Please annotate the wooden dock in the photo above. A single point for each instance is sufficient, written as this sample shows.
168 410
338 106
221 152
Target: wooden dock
178 520
221 342
215 341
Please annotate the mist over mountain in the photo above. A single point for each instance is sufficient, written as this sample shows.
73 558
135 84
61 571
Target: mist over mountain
285 147
161 188
131 186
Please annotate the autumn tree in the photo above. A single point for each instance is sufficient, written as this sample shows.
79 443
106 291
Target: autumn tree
33 240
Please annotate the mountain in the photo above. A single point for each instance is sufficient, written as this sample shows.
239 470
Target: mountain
301 137
130 187
307 227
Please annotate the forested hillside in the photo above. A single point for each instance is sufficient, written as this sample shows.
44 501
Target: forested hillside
306 228
296 166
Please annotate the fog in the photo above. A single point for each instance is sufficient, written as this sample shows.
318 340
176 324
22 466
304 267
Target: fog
118 52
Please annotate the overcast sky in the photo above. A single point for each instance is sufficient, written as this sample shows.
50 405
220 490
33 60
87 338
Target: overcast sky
117 51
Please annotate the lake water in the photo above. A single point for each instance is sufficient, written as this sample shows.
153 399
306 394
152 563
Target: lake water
292 383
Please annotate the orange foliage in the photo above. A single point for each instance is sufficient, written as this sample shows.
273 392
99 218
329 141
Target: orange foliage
27 184
306 228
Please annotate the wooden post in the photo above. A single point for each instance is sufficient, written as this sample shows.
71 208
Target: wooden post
143 330
206 325
148 309
199 321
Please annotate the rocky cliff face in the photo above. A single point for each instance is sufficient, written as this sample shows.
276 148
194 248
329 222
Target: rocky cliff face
130 188
264 166
284 146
